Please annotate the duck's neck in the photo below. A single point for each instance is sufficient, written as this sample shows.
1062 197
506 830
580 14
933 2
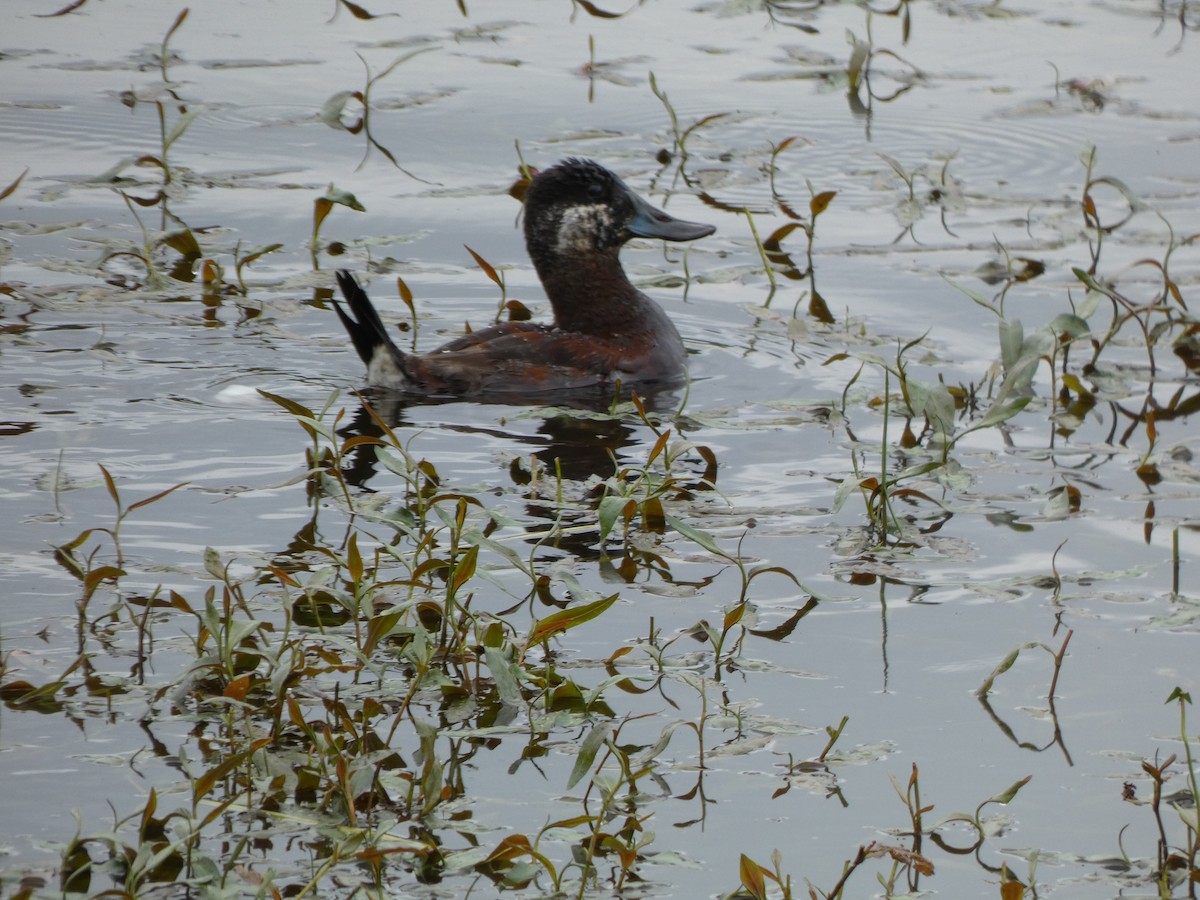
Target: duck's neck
592 295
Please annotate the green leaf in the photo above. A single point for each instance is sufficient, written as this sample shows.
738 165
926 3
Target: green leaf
751 874
696 536
464 569
296 409
343 198
504 675
734 616
935 402
1007 795
181 125
612 507
566 619
148 500
331 111
1002 412
354 563
1012 339
1180 694
1069 324
212 564
588 750
1005 665
975 295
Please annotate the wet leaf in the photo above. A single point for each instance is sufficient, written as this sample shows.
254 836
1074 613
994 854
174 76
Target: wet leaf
69 8
154 499
380 627
1070 325
332 109
360 13
780 632
405 293
935 403
321 209
257 254
212 564
182 123
1005 665
238 688
1002 412
695 535
659 445
98 576
751 874
820 202
12 187
610 509
354 563
505 675
593 10
587 751
1012 340
653 518
1007 795
343 198
202 786
733 616
517 311
464 569
1072 383
486 266
179 20
296 409
43 698
566 619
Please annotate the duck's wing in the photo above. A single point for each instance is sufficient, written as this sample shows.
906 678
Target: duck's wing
387 365
522 359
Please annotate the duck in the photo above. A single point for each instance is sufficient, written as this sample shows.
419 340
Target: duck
605 333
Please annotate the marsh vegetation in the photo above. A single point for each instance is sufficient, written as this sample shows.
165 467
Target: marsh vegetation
896 598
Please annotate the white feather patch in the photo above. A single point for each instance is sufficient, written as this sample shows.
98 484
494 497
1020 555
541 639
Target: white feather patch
579 226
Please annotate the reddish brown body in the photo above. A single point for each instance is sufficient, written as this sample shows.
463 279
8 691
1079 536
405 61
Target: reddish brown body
578 215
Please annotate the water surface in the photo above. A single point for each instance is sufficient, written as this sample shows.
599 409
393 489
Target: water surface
960 153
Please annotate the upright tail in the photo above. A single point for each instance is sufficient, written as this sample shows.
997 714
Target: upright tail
386 363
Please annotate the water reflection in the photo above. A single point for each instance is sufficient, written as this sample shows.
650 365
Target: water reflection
576 446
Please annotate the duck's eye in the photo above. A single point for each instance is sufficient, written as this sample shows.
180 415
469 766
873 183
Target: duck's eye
596 191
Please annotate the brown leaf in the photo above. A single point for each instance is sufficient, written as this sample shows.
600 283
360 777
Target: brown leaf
596 11
751 874
238 688
359 13
486 266
820 203
12 187
69 8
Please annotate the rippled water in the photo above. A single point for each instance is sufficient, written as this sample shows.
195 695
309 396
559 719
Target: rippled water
986 108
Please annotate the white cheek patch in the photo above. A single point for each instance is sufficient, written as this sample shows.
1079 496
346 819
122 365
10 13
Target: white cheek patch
579 226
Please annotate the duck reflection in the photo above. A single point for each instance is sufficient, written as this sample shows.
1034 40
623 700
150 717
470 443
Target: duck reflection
577 445
572 450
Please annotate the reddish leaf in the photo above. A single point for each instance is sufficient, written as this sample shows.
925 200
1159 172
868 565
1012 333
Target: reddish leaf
820 203
238 688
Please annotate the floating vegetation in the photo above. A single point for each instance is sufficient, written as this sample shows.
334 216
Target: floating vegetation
924 533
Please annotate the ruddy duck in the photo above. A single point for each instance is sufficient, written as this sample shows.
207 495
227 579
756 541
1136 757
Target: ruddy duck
578 215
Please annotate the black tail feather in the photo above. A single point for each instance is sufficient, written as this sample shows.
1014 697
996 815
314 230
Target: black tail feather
366 329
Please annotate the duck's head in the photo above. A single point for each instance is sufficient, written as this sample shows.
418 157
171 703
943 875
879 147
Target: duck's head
578 209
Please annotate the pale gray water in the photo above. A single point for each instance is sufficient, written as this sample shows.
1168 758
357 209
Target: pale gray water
158 386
